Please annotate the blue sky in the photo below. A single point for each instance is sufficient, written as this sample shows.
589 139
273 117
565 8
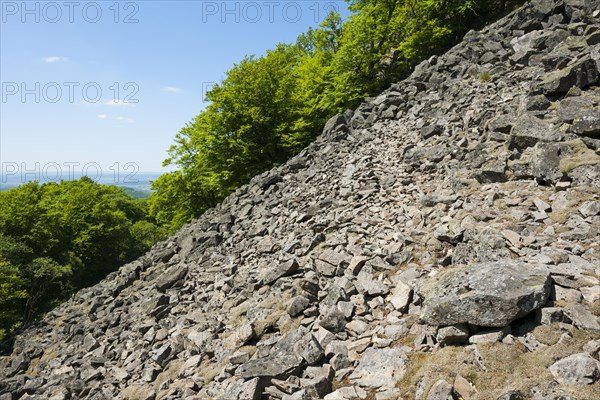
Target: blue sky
110 82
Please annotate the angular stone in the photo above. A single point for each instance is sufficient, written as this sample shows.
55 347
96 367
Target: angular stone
271 366
240 336
431 130
464 388
590 294
433 199
590 208
267 245
333 320
239 357
582 318
491 336
580 74
441 390
241 390
576 369
529 130
379 368
356 263
170 277
347 393
572 107
550 315
286 268
357 327
336 122
332 257
298 305
452 335
488 294
309 349
588 124
400 296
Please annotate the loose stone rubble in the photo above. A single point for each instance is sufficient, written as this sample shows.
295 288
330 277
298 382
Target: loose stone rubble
442 241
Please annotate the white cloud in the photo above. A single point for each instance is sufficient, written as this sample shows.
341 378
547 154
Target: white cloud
53 59
128 120
118 103
172 89
102 116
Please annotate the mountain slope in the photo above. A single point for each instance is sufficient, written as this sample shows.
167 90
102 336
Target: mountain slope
442 240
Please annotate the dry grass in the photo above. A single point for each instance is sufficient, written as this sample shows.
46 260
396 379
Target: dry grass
508 367
595 308
431 366
574 199
279 302
547 334
290 325
262 326
136 392
169 373
211 371
248 349
581 155
237 315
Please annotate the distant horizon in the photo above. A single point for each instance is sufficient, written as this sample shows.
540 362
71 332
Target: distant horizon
140 180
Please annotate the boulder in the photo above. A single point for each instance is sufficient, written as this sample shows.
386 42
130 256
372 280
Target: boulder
489 294
580 74
576 369
380 368
441 390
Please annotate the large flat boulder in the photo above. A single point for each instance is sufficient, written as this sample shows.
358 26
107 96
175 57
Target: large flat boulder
491 294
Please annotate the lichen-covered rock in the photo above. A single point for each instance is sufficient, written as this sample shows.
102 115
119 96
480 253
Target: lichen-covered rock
489 294
576 369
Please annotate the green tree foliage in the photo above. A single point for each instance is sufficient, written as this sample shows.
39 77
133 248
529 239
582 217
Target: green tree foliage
56 238
270 107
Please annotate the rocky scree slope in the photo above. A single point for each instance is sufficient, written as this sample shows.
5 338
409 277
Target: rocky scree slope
439 242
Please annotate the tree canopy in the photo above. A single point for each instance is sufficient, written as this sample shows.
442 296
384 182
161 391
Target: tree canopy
56 238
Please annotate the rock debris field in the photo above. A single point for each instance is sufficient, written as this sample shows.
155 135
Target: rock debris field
440 242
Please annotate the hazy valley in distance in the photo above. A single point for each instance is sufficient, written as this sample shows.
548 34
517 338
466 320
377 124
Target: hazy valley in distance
136 184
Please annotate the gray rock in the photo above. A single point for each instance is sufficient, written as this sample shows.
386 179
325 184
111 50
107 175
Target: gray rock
336 123
400 296
432 200
170 277
488 294
333 319
489 336
286 268
298 305
581 74
582 318
272 366
452 335
309 349
576 369
590 208
441 390
241 390
588 124
431 130
545 162
550 315
267 245
380 368
529 130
